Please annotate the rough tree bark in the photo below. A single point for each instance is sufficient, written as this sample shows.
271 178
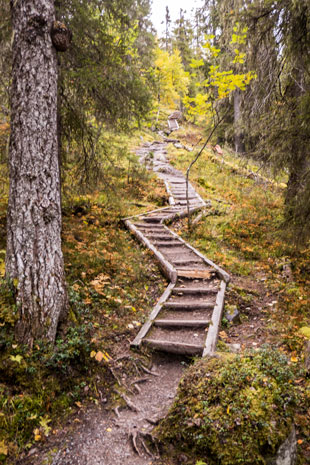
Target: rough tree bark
34 261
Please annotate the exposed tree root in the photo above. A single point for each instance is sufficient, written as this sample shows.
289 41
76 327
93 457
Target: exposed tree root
146 370
128 402
138 439
116 411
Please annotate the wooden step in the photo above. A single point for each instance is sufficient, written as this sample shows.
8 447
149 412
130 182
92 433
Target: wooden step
197 274
183 202
171 243
189 261
153 219
160 236
194 305
149 226
182 323
174 347
194 290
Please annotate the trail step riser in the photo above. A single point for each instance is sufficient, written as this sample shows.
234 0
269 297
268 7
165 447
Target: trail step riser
193 291
173 347
188 306
181 323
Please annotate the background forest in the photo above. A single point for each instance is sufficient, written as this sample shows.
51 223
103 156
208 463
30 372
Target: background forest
240 66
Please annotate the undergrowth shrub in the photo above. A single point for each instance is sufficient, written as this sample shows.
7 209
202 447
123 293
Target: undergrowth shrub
232 410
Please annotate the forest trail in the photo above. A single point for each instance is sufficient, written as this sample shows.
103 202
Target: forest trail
185 321
187 317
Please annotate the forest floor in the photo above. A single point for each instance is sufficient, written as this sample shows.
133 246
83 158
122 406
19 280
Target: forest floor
114 284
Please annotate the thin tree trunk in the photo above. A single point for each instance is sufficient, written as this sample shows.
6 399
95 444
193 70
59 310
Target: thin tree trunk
239 144
34 261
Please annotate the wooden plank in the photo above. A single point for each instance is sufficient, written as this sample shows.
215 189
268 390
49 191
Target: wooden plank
158 236
153 219
173 124
212 336
185 261
174 347
225 276
183 213
182 323
147 325
194 305
158 227
166 243
168 269
138 215
202 274
194 290
171 199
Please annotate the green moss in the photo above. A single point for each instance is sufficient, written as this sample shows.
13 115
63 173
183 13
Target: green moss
305 331
232 410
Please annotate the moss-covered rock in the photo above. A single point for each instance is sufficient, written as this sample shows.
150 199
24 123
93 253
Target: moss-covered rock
232 410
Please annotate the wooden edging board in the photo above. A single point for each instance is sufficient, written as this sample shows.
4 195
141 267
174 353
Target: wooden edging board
168 270
171 198
146 213
225 276
147 325
211 340
182 214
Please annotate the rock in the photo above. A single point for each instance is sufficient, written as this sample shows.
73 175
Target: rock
217 149
178 145
287 272
307 356
160 157
234 348
287 452
232 314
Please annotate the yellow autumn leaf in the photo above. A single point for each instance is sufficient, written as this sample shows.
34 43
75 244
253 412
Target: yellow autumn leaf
3 448
294 359
93 354
228 409
107 356
99 356
37 435
16 358
223 335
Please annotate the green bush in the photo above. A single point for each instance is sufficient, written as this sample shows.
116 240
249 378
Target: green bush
232 410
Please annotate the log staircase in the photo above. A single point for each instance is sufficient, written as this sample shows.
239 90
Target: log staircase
187 317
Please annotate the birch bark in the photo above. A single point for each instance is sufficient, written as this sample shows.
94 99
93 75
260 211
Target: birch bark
34 260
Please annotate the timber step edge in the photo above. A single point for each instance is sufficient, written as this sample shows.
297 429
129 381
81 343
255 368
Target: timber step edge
194 290
181 323
174 347
195 305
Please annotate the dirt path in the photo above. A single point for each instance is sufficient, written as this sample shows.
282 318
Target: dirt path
105 437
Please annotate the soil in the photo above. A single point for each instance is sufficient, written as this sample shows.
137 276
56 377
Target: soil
102 436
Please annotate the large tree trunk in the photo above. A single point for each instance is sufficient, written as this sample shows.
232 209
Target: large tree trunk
34 261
